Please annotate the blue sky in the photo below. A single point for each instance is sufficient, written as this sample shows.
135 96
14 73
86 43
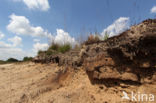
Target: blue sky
27 26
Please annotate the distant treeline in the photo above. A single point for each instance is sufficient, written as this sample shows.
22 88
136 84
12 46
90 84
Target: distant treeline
13 60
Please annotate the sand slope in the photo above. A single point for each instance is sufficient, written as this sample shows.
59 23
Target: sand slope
47 83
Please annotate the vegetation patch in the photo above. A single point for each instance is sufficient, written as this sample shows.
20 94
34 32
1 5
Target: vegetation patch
55 49
27 59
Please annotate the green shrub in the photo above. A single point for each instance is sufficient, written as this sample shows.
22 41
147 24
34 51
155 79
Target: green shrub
50 52
10 60
2 62
40 52
54 47
64 48
27 59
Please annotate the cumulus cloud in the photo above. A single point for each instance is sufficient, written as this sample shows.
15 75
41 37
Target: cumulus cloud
42 5
9 51
153 10
20 25
119 25
40 46
16 40
63 37
36 40
4 45
1 35
6 53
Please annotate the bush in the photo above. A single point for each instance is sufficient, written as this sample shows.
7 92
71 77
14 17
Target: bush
50 52
2 62
55 49
40 52
10 60
64 48
27 59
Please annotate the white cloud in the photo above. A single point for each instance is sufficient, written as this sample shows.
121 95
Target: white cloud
153 10
117 27
4 45
1 35
16 41
36 40
6 53
20 25
63 37
42 5
9 51
39 46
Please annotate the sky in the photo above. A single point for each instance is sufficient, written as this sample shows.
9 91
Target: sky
27 26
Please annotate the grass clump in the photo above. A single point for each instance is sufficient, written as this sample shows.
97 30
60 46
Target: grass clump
64 48
106 36
55 49
93 39
27 59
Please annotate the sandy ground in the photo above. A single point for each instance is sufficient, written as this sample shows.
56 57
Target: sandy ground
48 83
